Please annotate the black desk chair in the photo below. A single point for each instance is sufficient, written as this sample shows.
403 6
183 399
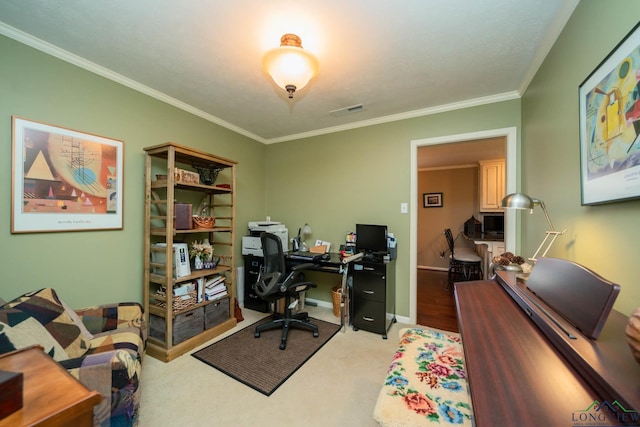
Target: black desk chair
274 284
464 265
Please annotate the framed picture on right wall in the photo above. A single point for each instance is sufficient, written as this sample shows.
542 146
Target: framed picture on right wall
610 126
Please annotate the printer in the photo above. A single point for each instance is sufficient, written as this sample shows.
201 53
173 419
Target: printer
251 244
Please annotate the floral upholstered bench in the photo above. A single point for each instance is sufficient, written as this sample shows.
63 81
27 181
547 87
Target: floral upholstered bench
426 382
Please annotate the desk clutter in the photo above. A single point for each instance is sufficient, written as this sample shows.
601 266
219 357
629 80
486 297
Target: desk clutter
366 297
374 241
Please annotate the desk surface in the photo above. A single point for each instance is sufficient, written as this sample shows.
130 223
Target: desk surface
332 265
516 375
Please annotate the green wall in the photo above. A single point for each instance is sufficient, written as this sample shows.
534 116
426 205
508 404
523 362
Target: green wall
101 266
603 238
362 176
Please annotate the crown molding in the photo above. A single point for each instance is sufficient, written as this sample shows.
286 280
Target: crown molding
71 58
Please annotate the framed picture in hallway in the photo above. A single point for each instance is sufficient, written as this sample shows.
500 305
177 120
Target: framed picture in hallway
610 126
64 180
432 200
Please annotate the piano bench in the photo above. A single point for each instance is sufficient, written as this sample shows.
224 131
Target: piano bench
426 382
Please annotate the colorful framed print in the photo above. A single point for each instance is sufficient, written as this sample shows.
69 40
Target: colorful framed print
610 126
64 180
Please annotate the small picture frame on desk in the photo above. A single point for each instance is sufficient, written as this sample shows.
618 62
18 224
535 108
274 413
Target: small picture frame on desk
432 200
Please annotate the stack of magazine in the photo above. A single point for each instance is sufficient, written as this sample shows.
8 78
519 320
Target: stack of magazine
215 288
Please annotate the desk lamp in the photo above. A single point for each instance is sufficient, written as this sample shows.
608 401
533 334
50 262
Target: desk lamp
306 231
522 201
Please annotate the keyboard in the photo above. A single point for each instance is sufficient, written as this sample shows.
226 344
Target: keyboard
309 256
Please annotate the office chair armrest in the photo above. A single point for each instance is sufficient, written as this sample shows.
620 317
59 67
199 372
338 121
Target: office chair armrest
297 286
266 283
305 266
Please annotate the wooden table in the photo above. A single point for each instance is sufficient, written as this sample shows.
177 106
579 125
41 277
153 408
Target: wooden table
51 396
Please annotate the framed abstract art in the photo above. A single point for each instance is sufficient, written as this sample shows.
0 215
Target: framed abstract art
64 180
610 126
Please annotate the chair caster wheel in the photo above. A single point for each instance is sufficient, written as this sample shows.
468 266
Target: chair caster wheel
316 334
283 345
256 334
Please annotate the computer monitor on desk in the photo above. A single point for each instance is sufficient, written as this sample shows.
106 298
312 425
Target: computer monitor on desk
372 240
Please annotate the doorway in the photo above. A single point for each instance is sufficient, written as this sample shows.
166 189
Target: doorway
510 135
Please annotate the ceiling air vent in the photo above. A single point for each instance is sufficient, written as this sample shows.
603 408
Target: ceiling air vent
347 110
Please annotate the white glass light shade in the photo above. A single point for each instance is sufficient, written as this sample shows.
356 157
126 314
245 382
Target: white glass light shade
289 65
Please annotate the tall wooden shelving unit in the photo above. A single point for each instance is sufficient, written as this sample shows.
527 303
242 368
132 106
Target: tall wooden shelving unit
160 194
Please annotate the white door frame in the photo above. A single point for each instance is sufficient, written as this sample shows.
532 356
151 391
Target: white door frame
511 181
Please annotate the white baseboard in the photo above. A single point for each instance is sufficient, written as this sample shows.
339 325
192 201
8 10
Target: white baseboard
327 304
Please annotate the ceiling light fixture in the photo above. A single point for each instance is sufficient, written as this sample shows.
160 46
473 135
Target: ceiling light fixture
290 66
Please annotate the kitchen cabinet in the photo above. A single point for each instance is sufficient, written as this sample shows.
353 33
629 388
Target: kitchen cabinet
492 185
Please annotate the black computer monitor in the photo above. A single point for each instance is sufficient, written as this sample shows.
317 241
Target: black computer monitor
371 238
493 224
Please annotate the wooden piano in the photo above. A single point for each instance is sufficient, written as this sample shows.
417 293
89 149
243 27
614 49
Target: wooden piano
549 351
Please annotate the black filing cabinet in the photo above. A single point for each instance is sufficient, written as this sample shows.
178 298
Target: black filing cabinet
252 266
374 296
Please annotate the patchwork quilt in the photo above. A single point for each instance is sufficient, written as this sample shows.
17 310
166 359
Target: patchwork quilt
101 346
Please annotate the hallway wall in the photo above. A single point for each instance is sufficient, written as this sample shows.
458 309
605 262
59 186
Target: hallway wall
459 188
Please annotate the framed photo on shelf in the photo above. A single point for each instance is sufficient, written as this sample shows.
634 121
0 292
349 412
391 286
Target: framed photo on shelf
609 113
64 180
432 200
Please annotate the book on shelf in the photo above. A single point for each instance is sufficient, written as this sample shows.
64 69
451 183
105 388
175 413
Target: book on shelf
214 281
215 289
200 288
215 295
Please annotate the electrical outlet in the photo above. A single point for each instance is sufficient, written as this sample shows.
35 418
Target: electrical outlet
404 208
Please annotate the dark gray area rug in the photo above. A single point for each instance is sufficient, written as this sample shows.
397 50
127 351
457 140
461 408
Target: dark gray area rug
259 362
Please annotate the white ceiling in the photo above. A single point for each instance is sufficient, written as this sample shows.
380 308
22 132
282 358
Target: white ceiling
400 59
461 154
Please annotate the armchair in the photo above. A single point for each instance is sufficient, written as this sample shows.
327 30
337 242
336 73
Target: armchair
274 284
101 346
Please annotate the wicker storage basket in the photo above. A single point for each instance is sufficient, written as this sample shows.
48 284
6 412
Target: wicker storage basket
203 221
336 296
178 303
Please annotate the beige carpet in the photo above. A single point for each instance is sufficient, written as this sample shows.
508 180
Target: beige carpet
338 386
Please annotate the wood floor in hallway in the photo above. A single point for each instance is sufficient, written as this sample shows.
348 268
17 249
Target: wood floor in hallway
436 305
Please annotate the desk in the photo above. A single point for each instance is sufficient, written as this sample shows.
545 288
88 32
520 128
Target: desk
334 265
51 396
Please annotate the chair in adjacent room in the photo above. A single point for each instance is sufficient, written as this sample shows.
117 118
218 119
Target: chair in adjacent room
275 283
464 264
